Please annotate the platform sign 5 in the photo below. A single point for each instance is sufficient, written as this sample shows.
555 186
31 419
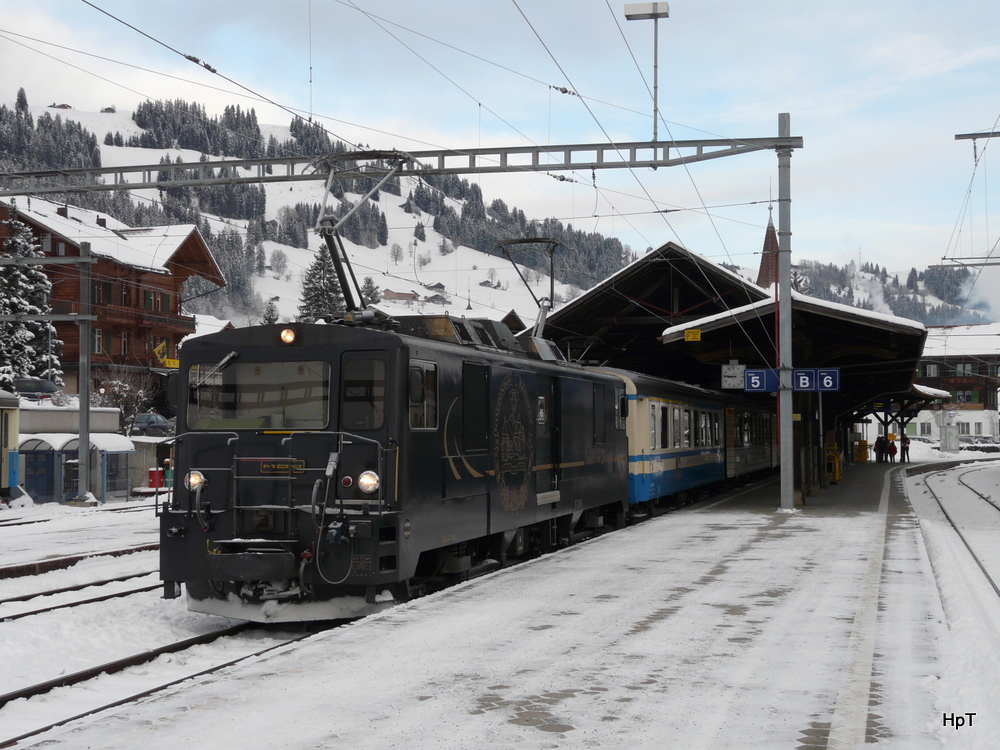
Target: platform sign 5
762 381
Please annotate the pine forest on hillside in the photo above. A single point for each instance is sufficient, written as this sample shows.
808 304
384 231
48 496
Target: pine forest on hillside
451 206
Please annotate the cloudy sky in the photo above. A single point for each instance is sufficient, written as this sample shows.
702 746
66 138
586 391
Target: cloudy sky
877 91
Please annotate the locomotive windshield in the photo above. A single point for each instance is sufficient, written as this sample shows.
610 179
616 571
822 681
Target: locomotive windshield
259 395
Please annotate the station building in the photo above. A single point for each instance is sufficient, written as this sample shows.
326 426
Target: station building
965 362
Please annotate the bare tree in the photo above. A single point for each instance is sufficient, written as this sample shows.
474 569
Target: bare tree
127 388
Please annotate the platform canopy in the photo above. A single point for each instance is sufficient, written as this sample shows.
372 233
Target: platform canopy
875 354
619 321
673 314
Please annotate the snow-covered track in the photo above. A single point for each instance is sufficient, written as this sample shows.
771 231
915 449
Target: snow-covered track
119 664
67 589
138 659
977 531
56 563
78 602
22 522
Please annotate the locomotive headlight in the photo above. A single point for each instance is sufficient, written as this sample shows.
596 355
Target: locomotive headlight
287 335
368 481
194 479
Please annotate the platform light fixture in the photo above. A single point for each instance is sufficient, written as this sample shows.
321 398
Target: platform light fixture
654 12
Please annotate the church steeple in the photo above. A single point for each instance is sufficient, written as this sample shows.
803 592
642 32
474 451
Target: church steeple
768 273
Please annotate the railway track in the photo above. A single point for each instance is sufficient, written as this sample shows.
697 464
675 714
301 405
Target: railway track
76 602
974 528
25 728
56 563
23 521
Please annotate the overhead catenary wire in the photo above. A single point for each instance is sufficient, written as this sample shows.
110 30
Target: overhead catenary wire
207 67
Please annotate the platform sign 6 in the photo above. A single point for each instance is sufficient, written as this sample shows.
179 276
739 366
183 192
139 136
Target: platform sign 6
828 379
762 381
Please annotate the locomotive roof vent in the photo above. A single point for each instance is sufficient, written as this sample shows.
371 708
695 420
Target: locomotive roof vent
539 348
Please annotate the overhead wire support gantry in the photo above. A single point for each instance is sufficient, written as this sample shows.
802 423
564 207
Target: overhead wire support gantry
552 158
542 159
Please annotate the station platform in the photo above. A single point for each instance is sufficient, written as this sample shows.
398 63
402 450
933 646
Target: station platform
729 623
859 490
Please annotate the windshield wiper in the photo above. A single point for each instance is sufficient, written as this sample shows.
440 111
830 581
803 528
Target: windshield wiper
218 366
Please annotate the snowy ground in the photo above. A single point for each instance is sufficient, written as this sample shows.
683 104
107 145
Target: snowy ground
720 626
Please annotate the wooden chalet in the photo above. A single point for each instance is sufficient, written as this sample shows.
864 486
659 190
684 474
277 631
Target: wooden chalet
388 294
136 284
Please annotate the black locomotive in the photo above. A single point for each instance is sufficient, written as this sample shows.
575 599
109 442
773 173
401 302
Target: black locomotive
325 471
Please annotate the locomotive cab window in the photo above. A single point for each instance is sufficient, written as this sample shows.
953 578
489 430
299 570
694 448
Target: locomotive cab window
362 395
423 395
228 395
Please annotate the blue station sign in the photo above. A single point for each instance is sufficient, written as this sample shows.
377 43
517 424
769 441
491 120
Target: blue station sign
807 379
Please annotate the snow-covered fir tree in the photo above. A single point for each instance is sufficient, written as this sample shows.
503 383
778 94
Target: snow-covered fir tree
30 348
370 291
321 294
270 313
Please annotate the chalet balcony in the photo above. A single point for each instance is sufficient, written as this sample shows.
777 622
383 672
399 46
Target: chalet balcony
118 316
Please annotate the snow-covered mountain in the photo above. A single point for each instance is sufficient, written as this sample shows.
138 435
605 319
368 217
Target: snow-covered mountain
466 281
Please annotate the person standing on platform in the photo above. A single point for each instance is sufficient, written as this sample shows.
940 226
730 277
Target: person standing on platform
879 449
892 451
904 449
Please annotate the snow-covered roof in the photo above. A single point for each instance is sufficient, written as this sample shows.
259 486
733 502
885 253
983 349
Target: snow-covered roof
150 248
928 392
109 442
958 341
800 301
205 324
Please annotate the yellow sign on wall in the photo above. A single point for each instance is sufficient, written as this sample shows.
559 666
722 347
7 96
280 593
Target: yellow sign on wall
692 334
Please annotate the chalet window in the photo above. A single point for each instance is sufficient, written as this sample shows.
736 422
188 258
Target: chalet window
963 428
965 368
125 343
932 370
166 303
100 292
925 428
99 341
147 299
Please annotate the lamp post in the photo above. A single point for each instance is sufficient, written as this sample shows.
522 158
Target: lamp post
644 12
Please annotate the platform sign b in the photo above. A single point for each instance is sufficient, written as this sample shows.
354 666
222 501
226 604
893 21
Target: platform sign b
804 380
